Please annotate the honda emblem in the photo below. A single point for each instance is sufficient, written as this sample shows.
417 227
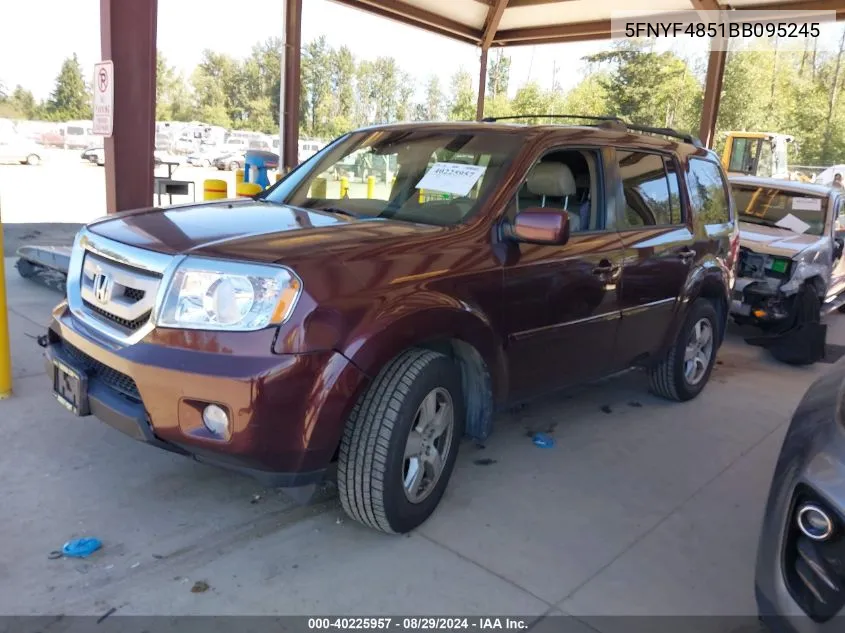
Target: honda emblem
102 287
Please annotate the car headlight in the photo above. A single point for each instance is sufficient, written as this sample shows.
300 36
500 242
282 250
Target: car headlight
209 294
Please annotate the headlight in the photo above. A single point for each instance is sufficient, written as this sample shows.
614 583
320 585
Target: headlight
208 294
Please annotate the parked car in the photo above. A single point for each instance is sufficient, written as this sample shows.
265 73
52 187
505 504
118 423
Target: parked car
230 161
377 328
791 270
204 156
96 155
800 573
19 149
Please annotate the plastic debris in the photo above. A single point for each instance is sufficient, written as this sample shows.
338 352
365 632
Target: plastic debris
81 547
255 498
543 441
200 586
134 565
54 554
484 461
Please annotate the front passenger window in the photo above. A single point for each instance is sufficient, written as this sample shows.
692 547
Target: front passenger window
565 180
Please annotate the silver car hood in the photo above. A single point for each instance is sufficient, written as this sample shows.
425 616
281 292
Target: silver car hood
772 240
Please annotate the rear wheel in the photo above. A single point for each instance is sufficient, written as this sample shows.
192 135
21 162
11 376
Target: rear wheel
234 166
400 443
33 159
682 374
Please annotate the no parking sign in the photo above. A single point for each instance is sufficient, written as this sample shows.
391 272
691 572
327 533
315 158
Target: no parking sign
103 98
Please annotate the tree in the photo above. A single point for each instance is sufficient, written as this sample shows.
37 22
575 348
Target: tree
435 101
70 99
588 97
387 78
462 99
316 87
498 74
530 99
172 98
649 88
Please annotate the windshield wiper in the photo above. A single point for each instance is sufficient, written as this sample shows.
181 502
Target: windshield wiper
337 210
760 221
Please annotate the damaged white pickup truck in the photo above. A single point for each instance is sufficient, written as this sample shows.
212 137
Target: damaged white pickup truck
791 270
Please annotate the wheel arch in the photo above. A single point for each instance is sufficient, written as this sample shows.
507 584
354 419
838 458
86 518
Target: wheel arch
465 335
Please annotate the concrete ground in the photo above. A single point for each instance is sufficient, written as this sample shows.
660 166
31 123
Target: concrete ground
641 507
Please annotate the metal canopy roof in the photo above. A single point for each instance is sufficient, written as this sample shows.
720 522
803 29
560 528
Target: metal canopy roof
489 23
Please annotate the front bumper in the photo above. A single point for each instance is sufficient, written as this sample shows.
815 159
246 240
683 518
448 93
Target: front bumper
287 411
794 574
757 303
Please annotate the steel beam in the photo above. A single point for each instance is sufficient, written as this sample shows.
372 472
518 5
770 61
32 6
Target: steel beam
712 95
128 38
291 84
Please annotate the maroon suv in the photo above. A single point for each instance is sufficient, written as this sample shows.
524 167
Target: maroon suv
374 323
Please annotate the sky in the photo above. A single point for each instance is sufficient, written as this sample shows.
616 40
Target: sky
35 37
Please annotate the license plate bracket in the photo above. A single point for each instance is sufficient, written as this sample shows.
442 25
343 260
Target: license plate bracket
70 386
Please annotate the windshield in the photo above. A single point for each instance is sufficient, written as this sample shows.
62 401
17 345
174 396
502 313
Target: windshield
420 175
775 207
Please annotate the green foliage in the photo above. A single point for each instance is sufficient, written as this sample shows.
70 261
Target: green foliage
462 100
71 98
498 74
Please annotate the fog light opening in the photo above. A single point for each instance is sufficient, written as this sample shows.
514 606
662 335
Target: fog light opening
216 420
814 522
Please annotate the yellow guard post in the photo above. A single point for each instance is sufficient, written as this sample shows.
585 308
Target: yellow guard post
5 341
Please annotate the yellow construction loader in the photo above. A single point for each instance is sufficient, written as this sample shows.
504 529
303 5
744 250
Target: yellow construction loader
759 154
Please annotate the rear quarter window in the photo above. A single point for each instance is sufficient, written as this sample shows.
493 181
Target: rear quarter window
708 191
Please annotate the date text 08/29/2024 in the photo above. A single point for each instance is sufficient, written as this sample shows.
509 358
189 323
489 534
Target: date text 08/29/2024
419 623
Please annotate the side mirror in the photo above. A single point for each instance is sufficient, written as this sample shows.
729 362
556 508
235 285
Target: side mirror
537 225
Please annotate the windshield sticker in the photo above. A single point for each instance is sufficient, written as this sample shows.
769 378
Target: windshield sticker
792 223
453 178
807 204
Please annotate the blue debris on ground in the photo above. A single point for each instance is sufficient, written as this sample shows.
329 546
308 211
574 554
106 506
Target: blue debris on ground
543 441
81 547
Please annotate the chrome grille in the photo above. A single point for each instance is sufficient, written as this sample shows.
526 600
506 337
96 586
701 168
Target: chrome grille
97 370
117 293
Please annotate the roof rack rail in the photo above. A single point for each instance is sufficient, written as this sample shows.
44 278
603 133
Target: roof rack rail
667 131
662 131
493 119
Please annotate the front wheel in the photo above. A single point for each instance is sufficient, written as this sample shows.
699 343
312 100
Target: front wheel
33 159
682 374
400 443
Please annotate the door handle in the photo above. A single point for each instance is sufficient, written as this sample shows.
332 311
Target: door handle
604 268
686 254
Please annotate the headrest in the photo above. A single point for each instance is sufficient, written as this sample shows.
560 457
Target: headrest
551 179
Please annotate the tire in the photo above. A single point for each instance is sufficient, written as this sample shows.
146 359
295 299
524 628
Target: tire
33 160
234 166
372 467
841 309
668 378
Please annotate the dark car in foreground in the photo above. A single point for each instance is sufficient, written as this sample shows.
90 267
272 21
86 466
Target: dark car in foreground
372 326
800 576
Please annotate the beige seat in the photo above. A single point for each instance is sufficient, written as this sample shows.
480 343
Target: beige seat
554 184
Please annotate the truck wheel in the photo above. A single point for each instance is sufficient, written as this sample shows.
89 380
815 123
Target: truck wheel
682 374
400 442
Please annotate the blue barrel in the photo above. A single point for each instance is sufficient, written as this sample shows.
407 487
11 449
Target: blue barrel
256 164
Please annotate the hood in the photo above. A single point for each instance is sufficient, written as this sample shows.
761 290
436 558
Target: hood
249 230
773 240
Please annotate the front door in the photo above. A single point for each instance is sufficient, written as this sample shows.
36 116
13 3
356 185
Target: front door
560 305
837 273
658 247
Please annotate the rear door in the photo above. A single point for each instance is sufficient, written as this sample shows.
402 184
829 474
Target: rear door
837 274
560 302
658 250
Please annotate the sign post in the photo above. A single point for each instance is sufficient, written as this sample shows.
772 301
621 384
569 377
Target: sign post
104 98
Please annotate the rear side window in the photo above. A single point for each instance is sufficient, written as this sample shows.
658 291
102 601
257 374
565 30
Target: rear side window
650 188
708 192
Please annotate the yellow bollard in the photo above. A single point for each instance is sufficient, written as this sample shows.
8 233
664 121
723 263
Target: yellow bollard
318 188
422 196
248 189
278 176
213 189
5 340
371 187
239 176
344 187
